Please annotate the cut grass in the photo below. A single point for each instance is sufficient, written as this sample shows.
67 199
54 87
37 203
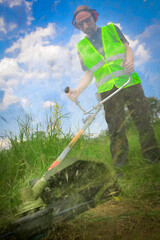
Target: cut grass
27 159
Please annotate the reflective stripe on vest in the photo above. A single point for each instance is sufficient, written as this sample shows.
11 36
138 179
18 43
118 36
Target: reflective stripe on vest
116 57
97 66
102 62
109 77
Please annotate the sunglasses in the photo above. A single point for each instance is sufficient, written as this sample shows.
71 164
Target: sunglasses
87 20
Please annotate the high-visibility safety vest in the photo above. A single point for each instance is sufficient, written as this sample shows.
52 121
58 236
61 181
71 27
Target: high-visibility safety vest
107 70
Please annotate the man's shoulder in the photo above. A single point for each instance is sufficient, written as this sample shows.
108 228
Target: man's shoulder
109 25
118 31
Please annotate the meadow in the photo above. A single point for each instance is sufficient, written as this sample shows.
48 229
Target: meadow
32 152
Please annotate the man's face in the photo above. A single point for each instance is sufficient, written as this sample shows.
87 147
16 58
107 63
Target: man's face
86 23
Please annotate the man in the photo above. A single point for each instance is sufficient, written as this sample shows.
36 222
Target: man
106 55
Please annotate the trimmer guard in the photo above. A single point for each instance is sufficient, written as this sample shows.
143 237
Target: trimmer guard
77 185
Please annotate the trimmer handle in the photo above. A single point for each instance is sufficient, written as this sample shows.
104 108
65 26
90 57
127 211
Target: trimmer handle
67 90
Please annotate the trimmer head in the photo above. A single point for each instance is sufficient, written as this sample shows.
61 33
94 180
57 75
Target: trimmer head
73 187
29 204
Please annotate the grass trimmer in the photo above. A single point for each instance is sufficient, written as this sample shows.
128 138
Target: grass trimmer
30 195
38 195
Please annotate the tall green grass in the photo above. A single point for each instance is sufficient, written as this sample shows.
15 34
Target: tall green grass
141 179
32 152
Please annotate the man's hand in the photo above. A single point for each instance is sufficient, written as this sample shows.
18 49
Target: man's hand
73 95
85 81
128 64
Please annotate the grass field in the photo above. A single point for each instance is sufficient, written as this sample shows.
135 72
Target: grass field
31 153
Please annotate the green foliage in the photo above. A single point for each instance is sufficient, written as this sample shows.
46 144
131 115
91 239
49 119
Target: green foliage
54 121
32 152
154 108
141 179
29 156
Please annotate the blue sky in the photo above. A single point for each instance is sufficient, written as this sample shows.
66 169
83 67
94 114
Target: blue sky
38 57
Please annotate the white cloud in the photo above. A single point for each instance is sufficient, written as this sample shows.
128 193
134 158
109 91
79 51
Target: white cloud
11 76
5 28
132 43
41 36
48 104
25 9
13 3
44 60
30 18
142 54
8 67
4 143
38 66
12 26
2 25
150 37
37 60
24 102
147 50
8 99
151 30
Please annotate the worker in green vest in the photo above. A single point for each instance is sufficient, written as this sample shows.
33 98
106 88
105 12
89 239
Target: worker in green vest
105 54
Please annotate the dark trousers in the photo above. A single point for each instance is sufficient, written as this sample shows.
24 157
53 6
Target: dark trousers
133 97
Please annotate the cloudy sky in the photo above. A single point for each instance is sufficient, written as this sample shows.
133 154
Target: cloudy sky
38 58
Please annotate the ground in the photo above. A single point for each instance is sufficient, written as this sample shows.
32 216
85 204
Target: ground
116 219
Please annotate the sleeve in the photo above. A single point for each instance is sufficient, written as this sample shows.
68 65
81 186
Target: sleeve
121 36
84 68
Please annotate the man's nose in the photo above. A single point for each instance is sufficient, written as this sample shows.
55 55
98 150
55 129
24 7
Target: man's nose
85 25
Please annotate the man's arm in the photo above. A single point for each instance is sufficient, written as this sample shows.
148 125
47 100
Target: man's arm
128 64
85 81
129 60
